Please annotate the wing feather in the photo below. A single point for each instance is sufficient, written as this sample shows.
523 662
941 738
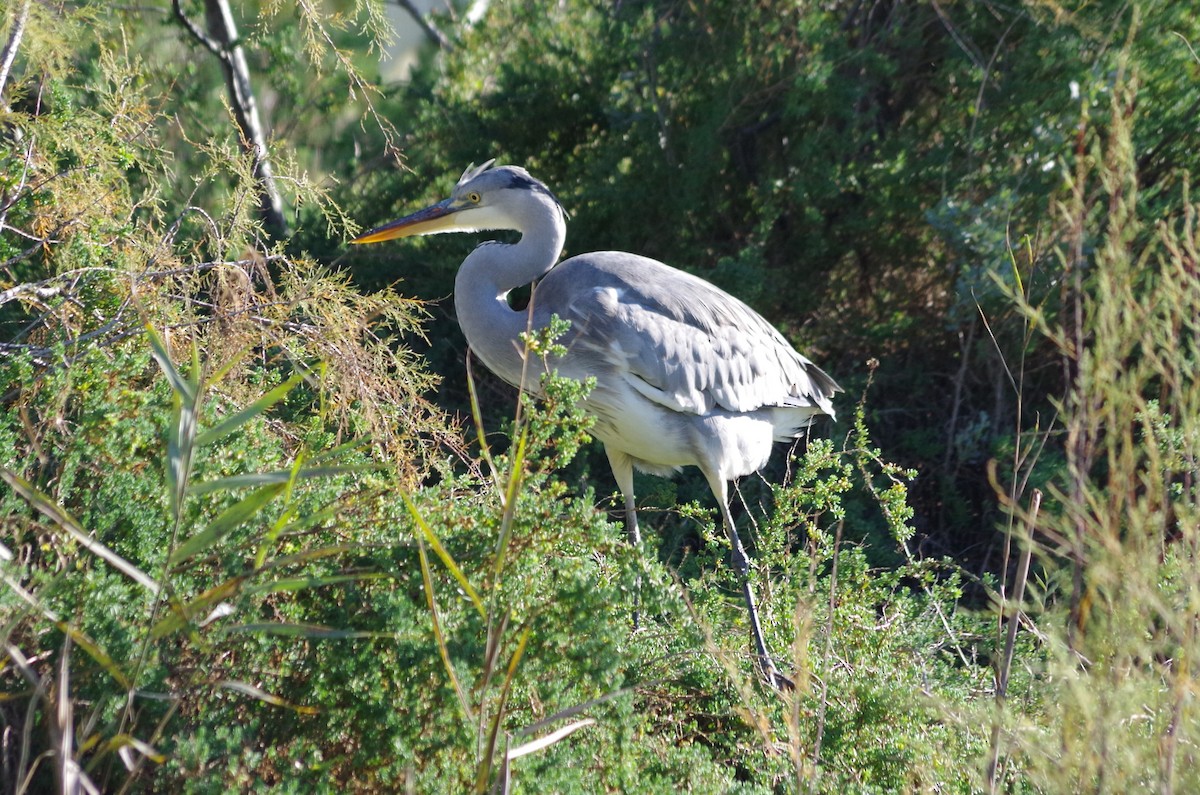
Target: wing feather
677 339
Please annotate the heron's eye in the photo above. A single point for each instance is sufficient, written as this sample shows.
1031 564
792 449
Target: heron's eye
474 198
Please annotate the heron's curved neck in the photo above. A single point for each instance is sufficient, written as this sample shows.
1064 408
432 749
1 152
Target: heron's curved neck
486 277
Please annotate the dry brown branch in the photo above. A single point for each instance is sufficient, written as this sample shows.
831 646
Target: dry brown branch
375 388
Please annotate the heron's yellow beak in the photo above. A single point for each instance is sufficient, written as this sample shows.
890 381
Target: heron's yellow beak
430 221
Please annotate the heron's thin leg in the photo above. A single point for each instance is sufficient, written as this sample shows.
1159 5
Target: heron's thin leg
635 539
742 564
631 522
622 469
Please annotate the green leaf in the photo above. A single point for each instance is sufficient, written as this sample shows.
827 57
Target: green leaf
235 421
229 519
445 557
281 476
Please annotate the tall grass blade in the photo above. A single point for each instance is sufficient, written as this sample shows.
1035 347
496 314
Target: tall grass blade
477 420
184 421
281 476
309 555
293 584
285 516
93 650
122 743
545 741
491 649
1016 270
183 387
572 711
309 631
183 613
235 421
443 555
438 636
267 698
1004 669
229 519
510 503
300 524
485 768
338 450
68 523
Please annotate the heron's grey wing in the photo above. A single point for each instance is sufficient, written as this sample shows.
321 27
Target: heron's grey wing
679 340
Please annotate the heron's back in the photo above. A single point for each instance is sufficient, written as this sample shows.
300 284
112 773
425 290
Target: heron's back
686 373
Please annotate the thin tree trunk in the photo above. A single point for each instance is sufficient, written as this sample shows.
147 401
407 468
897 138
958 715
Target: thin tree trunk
222 41
434 35
10 49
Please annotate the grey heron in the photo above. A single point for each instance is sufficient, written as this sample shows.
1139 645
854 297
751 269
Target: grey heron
685 374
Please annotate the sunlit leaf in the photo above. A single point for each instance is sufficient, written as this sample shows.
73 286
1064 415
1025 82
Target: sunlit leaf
235 421
548 740
182 613
229 519
93 650
123 744
443 555
268 698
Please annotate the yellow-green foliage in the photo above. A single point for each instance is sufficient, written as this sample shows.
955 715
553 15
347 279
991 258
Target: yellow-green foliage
1114 706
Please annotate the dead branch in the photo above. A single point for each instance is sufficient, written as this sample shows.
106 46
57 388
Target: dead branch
9 53
222 41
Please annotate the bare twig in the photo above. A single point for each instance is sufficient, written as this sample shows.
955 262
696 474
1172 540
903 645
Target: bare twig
8 198
1005 668
963 44
822 710
197 32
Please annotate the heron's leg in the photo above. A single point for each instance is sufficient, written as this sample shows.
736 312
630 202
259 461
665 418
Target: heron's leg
742 564
622 469
631 523
635 539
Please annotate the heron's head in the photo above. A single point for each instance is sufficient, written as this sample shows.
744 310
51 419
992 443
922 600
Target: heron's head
485 198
